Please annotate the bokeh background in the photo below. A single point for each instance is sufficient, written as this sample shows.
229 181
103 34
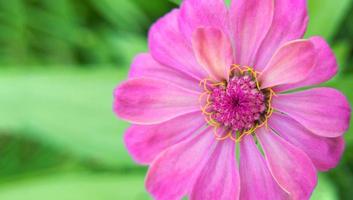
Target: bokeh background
59 63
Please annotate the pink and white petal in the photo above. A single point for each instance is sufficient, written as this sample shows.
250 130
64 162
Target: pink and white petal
290 166
323 111
255 177
290 64
219 179
145 142
146 66
325 153
250 20
202 13
169 46
289 23
152 101
213 51
172 174
325 67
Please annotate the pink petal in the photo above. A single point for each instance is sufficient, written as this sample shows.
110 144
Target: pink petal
152 101
256 180
145 66
219 179
325 67
324 111
250 21
174 171
145 142
213 51
290 166
290 64
325 153
289 23
169 47
202 13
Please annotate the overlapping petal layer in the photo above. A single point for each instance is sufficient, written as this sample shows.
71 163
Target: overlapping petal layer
323 111
324 152
213 51
256 180
289 23
145 66
324 69
152 101
219 179
290 166
250 21
173 172
169 47
145 142
202 13
290 64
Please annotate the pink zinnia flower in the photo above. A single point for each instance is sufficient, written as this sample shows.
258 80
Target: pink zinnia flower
217 80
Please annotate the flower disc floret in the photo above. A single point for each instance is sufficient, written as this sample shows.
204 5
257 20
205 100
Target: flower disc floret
237 105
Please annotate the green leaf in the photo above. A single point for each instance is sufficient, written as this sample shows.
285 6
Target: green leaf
20 155
176 1
342 50
124 15
179 1
67 108
77 187
13 32
325 190
128 44
326 16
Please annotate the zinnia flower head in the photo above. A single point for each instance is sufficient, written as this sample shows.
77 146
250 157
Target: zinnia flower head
215 108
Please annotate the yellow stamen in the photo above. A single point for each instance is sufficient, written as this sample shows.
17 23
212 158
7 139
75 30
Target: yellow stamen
220 138
211 122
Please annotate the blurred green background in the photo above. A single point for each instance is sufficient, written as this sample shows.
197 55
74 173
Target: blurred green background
59 63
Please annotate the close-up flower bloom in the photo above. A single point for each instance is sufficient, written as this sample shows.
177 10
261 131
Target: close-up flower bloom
220 106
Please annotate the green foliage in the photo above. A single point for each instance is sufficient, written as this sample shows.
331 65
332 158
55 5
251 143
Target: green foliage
326 17
325 190
19 155
178 2
77 186
70 109
74 31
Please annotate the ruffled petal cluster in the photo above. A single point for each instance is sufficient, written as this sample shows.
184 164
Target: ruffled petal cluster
202 39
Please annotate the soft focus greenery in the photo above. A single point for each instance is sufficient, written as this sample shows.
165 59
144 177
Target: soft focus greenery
59 63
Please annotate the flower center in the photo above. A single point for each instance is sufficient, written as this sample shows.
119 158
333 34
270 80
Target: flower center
238 106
